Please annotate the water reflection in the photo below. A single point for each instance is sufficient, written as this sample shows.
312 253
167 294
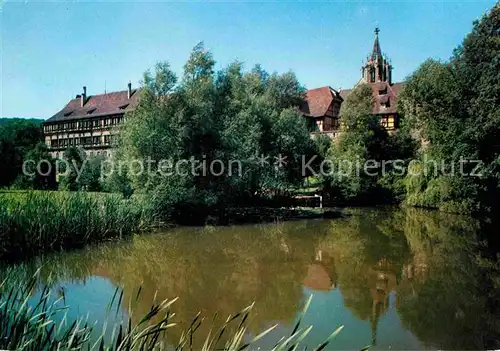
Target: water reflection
401 279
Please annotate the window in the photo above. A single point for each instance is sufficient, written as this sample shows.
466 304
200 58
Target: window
96 140
85 141
67 114
96 123
388 122
383 91
372 75
123 107
91 111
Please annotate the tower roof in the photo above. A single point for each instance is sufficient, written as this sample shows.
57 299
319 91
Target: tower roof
376 53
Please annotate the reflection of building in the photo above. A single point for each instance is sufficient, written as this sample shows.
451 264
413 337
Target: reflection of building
322 105
321 274
89 122
383 282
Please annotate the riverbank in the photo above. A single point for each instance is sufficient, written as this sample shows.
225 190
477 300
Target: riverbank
38 222
419 262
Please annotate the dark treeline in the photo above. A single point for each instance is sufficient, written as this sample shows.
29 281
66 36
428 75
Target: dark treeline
21 139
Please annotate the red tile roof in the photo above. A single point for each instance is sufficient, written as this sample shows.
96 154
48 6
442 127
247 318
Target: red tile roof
391 96
318 101
98 105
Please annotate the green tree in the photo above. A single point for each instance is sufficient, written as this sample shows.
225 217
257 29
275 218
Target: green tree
39 170
363 141
452 110
215 118
17 137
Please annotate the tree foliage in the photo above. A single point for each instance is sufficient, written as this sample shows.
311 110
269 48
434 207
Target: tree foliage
222 120
356 167
17 137
452 110
39 171
81 172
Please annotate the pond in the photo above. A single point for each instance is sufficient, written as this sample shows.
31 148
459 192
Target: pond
396 279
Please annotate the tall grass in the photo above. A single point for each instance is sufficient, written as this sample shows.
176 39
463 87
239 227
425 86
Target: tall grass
30 324
32 223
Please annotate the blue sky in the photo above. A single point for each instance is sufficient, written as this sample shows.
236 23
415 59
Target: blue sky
50 50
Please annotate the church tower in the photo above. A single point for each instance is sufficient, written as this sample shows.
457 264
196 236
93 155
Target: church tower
377 67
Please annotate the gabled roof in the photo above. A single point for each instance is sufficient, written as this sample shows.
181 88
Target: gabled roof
391 96
318 101
98 105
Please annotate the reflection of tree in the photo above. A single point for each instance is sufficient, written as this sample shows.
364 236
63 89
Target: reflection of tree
211 270
427 258
443 297
369 252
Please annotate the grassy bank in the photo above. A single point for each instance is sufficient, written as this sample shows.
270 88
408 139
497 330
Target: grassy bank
36 222
28 323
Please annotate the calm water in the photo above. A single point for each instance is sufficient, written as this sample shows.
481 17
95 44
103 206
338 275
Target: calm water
395 279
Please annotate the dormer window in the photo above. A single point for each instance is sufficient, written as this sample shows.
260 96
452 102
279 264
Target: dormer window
123 107
91 111
67 114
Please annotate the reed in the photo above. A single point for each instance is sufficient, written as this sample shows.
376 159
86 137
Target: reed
36 222
28 323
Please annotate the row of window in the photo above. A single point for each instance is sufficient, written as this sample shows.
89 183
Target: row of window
83 141
87 124
372 78
387 122
104 153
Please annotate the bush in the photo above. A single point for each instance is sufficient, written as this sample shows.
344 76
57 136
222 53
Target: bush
35 222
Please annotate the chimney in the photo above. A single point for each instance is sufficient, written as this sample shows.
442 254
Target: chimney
129 90
83 98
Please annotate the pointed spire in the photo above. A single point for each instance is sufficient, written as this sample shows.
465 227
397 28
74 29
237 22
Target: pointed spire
376 53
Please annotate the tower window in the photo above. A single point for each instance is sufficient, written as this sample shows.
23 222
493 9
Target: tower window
372 75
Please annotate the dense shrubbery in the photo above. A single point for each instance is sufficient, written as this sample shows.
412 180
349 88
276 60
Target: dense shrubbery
453 109
451 116
39 222
20 140
230 115
363 141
